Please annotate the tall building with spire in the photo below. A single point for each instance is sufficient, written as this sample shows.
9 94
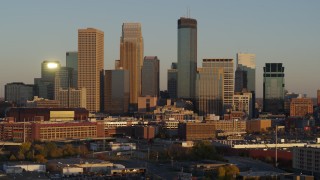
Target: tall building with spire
131 59
90 65
187 57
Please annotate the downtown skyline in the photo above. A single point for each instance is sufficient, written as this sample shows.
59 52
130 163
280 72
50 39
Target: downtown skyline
286 37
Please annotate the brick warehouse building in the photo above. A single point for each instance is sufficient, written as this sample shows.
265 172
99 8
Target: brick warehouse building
47 114
50 131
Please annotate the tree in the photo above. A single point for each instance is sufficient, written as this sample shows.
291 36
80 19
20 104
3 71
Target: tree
25 147
40 150
68 150
20 156
227 172
40 159
55 153
221 172
12 157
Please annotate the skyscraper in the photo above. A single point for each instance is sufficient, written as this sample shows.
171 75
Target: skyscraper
116 91
90 65
228 80
172 79
44 86
72 62
240 81
48 69
150 76
273 88
247 62
131 58
187 57
209 91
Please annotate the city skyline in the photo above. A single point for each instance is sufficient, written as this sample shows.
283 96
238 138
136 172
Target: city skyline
283 36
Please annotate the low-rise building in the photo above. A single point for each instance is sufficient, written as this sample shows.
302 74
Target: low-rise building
18 167
196 131
50 131
301 106
307 159
258 125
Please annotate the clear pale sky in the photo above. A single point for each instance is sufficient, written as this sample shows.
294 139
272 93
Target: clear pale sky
286 31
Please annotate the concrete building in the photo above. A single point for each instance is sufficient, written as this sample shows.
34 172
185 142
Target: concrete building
147 104
50 131
72 62
18 93
116 91
307 159
301 106
144 132
287 100
13 167
90 65
150 77
172 81
258 125
228 80
273 88
247 63
229 125
209 91
196 131
187 57
243 102
42 103
131 59
47 114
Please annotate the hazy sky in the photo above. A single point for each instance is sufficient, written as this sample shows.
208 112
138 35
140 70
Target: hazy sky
286 31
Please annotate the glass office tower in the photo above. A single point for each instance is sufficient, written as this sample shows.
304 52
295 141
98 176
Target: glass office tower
273 88
187 57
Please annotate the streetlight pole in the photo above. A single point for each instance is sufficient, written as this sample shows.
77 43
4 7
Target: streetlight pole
276 159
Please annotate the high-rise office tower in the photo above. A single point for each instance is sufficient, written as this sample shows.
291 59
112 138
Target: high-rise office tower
172 81
48 69
150 76
240 81
228 85
247 62
131 59
273 88
63 78
116 91
72 62
187 57
209 90
44 86
90 65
